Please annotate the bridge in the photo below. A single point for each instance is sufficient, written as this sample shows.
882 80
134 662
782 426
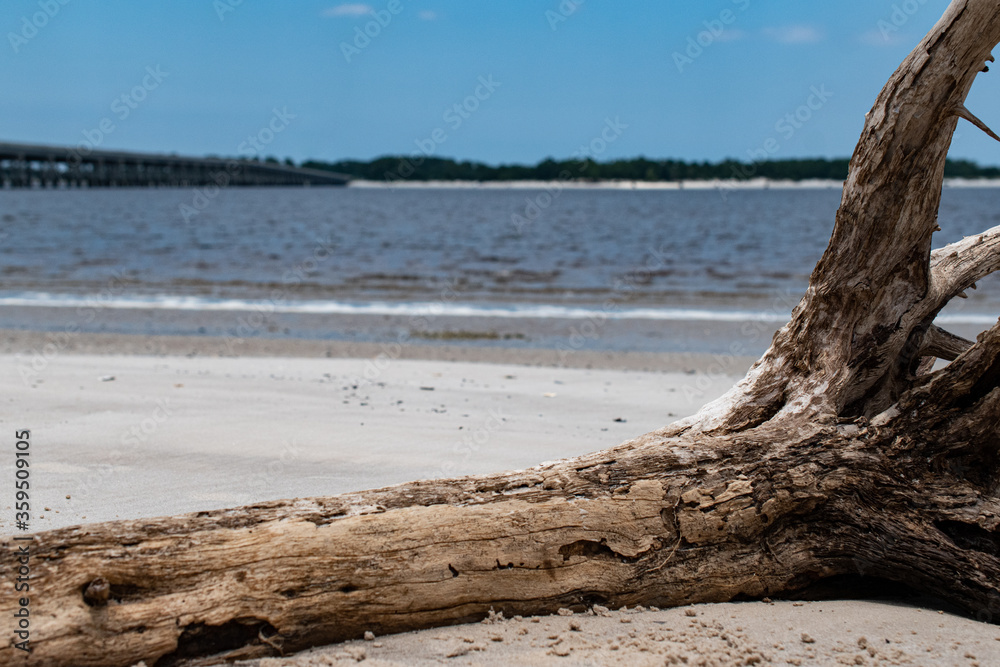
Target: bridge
34 166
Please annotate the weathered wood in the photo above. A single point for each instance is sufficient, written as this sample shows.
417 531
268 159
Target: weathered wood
660 520
941 344
851 341
834 456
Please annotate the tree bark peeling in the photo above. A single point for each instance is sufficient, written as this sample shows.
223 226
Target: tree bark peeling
840 453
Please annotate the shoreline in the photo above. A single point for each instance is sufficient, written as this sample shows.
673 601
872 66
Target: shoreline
39 346
708 184
557 340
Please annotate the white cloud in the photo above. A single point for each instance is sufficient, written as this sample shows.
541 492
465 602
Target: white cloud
427 15
882 38
730 35
349 9
794 34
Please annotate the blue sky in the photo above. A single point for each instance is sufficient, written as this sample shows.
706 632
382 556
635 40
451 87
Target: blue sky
211 73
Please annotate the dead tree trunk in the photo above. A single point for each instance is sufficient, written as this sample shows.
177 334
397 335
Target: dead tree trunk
839 453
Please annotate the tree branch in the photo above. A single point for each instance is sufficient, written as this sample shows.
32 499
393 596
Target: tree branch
968 378
957 266
943 344
842 353
963 112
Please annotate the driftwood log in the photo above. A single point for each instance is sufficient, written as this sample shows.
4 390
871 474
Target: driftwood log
841 453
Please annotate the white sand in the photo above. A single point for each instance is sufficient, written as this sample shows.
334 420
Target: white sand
172 434
717 635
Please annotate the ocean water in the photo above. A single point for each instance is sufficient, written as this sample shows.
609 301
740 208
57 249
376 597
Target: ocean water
642 255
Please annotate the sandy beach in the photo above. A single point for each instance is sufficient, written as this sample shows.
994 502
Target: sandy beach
127 427
324 326
128 436
830 632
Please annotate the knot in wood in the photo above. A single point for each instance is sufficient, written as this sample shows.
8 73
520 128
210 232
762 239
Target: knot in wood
97 592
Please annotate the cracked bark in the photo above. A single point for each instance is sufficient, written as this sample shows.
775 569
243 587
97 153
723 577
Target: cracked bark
840 453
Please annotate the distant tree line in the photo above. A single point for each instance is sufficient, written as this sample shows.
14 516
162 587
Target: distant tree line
409 168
